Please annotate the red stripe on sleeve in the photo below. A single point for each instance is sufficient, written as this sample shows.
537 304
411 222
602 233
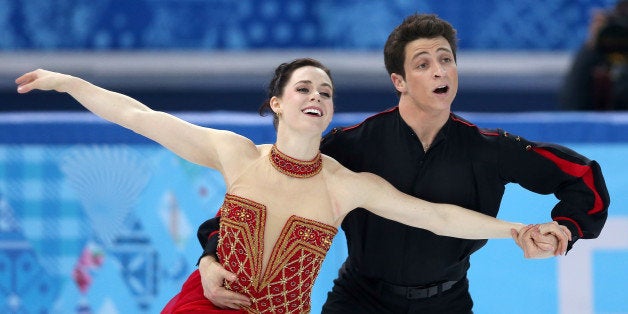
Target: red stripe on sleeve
212 234
576 170
573 222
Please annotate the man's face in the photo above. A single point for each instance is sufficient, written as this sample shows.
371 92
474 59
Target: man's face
431 80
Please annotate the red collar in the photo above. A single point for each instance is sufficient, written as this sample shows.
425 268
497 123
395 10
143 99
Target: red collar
294 167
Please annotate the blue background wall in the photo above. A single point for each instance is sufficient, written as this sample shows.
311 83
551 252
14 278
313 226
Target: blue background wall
250 24
79 196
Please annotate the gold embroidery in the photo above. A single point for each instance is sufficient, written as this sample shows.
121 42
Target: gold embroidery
296 258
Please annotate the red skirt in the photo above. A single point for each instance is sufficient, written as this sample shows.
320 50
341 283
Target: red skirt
192 300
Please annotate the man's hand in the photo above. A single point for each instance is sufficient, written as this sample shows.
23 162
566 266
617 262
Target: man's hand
213 276
542 241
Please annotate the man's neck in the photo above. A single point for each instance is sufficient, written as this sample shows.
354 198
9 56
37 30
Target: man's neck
424 124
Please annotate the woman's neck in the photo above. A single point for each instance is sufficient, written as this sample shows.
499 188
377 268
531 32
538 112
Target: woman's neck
302 148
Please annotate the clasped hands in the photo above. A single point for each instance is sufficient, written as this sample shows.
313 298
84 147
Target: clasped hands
542 240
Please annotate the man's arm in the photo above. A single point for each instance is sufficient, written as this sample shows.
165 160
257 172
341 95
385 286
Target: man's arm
213 275
207 235
576 181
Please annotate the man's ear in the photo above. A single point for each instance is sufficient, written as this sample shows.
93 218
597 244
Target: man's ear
399 82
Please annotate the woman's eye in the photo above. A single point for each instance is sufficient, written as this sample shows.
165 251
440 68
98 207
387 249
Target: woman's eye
303 90
325 94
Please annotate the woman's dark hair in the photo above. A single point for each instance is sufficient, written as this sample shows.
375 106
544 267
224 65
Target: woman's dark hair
413 27
281 77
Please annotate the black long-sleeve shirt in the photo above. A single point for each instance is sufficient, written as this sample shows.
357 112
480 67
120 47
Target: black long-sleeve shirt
466 166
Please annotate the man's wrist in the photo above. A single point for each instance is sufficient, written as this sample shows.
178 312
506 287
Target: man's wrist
574 232
205 256
207 259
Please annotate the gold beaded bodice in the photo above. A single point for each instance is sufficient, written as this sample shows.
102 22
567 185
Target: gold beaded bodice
285 285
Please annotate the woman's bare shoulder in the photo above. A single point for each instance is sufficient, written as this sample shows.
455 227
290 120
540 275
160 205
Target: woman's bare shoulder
241 146
339 175
331 164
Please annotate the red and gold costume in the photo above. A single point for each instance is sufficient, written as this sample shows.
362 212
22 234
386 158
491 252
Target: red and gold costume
285 284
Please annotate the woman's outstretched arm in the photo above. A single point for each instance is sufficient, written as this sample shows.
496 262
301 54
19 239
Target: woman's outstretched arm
194 143
380 197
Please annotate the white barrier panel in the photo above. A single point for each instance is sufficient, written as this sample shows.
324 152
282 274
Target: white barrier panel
576 273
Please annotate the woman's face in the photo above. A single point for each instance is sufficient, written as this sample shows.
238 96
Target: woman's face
307 101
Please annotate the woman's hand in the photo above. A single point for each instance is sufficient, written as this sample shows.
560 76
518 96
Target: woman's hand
42 80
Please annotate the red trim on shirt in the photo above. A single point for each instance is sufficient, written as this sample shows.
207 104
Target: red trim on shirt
213 234
461 121
371 117
575 170
482 131
573 222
